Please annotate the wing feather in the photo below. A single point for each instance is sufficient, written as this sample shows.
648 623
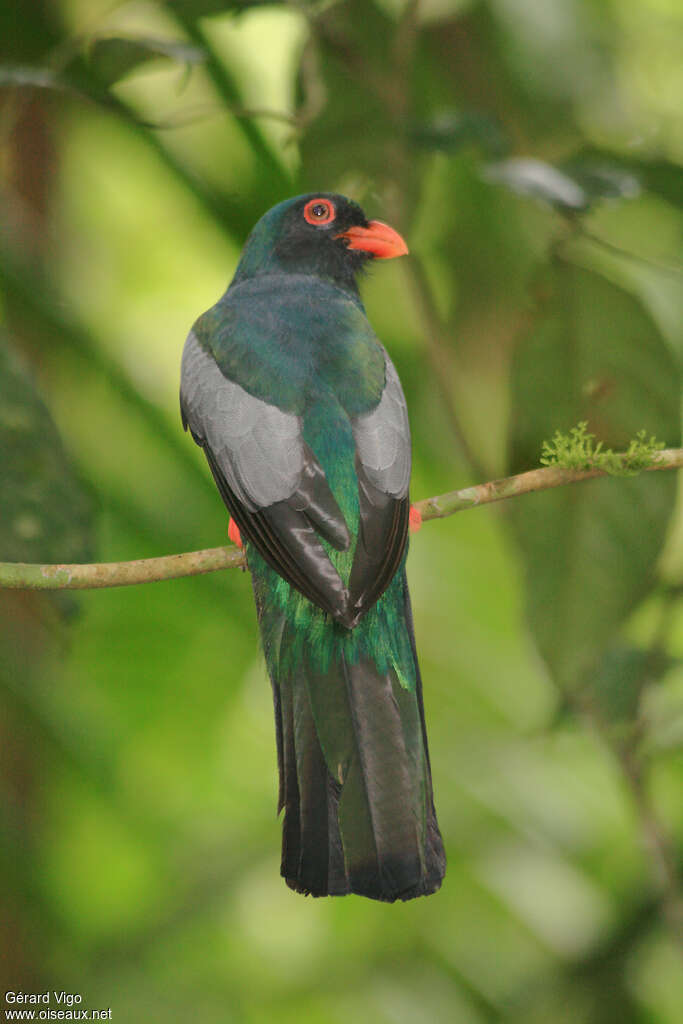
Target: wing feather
383 439
383 462
268 478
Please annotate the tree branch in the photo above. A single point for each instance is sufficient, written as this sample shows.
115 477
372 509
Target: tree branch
525 483
26 576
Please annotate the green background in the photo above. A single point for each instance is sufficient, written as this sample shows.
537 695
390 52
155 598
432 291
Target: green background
139 846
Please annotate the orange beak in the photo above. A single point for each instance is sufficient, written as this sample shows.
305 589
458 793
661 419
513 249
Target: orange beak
377 238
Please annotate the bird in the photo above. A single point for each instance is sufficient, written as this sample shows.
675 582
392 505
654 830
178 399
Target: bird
301 416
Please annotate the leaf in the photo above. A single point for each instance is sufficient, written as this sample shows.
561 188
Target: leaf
539 180
116 56
42 310
659 176
72 82
451 131
589 550
357 131
602 179
45 513
196 9
622 676
663 177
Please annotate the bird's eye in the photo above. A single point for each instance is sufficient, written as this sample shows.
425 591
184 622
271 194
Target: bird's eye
319 211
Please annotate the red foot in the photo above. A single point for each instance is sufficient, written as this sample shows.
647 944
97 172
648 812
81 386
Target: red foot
234 534
415 521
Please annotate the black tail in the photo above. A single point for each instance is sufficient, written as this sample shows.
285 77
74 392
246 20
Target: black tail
355 781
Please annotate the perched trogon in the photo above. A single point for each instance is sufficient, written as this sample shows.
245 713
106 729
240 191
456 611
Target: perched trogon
302 419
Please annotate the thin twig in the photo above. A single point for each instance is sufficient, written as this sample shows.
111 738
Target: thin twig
655 837
205 111
664 268
312 84
228 90
26 576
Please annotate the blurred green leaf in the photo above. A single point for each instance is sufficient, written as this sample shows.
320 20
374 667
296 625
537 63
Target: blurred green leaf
270 179
24 39
116 56
659 176
620 679
449 132
72 81
39 310
664 178
602 180
45 511
205 8
357 130
589 550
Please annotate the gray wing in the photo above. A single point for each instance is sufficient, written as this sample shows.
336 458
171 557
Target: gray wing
258 447
268 477
383 439
383 461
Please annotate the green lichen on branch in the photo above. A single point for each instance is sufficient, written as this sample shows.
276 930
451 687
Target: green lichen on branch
578 450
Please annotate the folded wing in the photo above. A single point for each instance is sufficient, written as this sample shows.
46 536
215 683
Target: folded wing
383 462
268 478
277 492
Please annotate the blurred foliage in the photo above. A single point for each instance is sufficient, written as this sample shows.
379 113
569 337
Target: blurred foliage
592 353
531 153
46 515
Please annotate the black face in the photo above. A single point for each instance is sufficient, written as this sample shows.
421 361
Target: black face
309 236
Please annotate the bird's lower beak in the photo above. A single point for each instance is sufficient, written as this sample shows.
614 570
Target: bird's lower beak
377 238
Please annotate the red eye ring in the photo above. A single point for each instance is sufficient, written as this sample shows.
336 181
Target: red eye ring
319 211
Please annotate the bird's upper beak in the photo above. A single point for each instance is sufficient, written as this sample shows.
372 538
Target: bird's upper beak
377 238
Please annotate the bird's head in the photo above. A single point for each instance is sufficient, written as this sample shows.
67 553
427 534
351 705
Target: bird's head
320 233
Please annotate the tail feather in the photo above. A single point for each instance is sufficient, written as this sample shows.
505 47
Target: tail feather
312 845
289 783
380 813
355 779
